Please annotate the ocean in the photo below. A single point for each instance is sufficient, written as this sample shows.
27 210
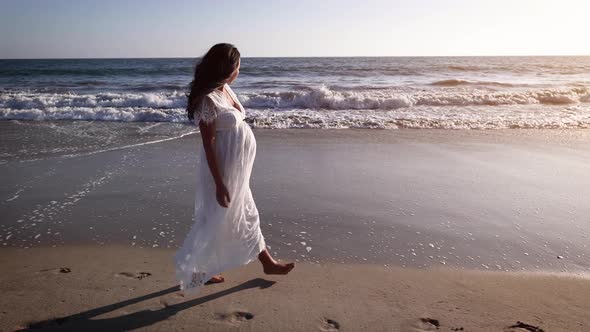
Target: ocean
359 92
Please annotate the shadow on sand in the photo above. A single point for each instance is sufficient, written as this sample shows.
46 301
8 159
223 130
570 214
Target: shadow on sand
83 322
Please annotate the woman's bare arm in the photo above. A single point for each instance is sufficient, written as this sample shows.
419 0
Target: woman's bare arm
208 135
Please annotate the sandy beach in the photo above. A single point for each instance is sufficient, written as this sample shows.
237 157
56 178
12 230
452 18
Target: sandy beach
111 288
396 230
492 200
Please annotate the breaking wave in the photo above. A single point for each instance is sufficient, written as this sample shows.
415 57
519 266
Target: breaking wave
456 82
328 108
324 98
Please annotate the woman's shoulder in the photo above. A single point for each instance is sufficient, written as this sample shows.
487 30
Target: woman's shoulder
208 108
212 96
229 89
209 101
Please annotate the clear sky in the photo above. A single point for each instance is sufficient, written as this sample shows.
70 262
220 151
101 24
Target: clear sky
183 28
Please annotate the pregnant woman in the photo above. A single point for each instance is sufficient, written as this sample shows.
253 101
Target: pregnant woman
226 230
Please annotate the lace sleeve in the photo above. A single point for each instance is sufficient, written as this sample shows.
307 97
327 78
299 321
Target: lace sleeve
207 111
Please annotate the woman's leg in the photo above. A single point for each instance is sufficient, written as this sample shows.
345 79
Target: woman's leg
271 266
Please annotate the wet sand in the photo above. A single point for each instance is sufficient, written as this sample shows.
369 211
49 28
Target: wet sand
490 200
114 288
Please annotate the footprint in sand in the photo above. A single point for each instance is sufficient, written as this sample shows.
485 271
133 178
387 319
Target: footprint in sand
421 324
521 327
329 325
235 317
139 275
58 270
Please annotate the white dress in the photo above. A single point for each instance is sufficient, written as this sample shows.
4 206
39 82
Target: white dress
221 238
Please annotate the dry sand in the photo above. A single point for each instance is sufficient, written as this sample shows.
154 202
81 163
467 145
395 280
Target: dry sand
112 288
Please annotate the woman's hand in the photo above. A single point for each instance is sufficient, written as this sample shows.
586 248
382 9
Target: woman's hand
222 195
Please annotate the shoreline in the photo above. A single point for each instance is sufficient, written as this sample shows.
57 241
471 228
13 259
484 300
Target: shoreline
119 288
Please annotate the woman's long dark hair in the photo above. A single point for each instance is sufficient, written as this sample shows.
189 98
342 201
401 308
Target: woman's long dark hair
215 67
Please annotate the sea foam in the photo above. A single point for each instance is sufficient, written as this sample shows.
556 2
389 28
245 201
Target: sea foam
322 107
388 99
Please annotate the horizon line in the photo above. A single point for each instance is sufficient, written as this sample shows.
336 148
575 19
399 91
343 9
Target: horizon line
312 56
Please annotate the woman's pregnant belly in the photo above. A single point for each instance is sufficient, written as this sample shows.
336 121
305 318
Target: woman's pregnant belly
227 121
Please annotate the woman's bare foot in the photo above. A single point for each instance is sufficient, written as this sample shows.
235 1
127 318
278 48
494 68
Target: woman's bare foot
278 268
215 279
270 266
